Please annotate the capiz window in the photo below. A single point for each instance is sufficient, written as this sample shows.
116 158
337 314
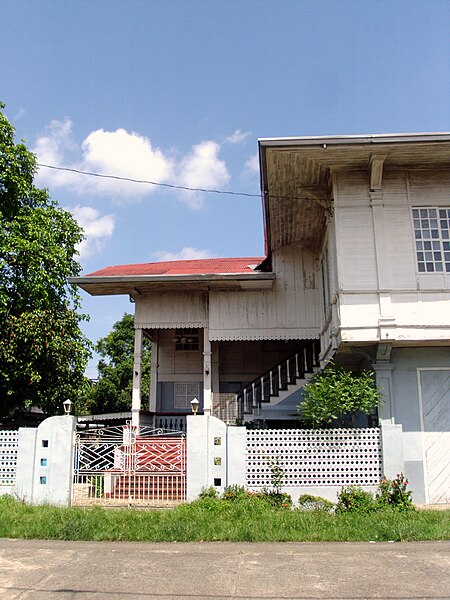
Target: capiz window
432 233
186 339
183 393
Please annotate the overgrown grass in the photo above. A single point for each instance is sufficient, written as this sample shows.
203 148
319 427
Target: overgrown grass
217 520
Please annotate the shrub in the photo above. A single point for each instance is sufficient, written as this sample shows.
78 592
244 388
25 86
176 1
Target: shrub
315 503
354 499
209 492
335 393
393 493
235 493
276 499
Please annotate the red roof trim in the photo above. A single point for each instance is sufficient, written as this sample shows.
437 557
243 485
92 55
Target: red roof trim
205 266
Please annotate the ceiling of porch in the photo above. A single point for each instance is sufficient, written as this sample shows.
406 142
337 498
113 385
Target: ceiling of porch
297 178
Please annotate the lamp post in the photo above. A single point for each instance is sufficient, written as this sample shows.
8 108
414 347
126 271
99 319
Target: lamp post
194 405
67 406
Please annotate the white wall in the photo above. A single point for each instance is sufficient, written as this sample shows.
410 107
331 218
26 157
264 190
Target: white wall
381 294
290 310
421 404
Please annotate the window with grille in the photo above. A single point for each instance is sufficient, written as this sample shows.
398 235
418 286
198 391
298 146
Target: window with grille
432 233
183 393
187 339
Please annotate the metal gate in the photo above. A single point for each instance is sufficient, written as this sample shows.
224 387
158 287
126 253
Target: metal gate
122 466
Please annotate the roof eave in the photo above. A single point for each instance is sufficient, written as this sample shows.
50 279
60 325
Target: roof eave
101 279
380 138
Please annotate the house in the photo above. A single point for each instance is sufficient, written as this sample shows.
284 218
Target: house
356 268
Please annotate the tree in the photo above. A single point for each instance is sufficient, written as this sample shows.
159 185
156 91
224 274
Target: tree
336 395
115 369
43 352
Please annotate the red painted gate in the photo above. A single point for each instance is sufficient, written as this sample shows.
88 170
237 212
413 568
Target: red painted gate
125 466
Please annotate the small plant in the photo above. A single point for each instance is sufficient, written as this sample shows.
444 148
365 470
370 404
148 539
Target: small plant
354 499
393 493
315 503
276 474
208 492
235 493
276 499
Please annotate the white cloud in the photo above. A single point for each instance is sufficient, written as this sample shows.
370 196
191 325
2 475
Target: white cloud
187 253
252 164
202 169
116 153
97 229
238 136
125 154
19 114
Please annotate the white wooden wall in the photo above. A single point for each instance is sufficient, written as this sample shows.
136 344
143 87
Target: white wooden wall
381 294
171 310
290 310
178 365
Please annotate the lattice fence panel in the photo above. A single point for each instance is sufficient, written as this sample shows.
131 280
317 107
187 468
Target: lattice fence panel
9 443
332 457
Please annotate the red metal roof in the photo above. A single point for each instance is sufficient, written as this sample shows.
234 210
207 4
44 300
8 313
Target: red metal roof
204 266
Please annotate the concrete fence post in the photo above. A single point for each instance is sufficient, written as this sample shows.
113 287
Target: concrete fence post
392 449
215 454
45 462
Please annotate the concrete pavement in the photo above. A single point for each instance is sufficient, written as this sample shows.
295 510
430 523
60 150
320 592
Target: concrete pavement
34 569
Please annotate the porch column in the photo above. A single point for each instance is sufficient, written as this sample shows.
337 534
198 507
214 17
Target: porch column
154 374
383 374
137 374
207 375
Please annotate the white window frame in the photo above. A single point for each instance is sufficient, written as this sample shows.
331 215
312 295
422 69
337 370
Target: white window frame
431 225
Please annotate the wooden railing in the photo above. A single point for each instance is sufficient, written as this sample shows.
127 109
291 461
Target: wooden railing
278 378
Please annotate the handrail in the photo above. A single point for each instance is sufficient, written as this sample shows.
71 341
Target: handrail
288 371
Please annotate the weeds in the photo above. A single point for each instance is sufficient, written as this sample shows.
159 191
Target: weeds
250 518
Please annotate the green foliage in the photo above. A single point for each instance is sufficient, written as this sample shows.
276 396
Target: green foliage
277 499
210 492
393 493
354 499
236 493
336 393
315 503
210 519
115 369
43 353
276 474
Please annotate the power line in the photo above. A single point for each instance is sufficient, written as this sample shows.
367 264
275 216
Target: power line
145 181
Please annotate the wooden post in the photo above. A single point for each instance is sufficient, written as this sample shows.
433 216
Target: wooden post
154 374
137 375
207 375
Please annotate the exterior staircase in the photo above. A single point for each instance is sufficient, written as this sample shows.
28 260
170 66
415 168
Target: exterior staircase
273 394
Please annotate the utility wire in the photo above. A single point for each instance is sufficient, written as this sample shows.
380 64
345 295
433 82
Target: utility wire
167 185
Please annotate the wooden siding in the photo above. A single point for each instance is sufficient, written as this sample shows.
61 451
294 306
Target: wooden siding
243 361
173 363
163 311
381 294
291 310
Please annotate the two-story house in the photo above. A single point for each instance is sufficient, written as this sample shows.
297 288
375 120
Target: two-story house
357 268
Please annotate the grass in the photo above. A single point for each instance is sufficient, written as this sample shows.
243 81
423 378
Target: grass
217 520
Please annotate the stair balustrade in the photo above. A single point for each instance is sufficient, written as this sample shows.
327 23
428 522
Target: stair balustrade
268 385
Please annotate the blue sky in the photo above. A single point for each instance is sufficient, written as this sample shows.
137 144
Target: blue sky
180 91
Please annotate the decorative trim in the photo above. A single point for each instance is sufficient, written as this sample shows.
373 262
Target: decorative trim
234 335
177 325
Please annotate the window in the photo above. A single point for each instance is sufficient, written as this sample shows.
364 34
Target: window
432 233
186 339
183 393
